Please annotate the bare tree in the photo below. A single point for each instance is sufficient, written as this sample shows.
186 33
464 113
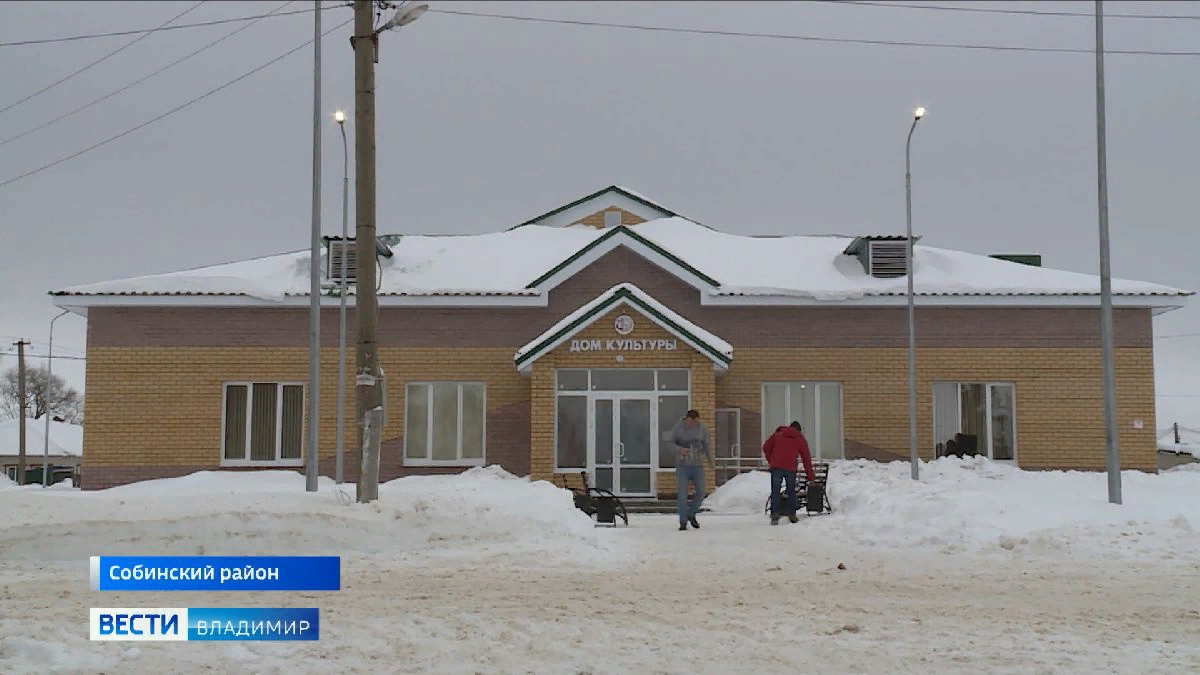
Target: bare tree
44 393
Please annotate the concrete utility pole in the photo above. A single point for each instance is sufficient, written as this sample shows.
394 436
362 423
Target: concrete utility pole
21 405
314 273
366 305
365 42
1112 457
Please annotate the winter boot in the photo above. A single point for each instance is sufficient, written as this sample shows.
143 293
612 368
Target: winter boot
793 518
695 523
774 518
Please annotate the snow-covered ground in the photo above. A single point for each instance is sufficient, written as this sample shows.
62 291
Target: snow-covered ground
976 568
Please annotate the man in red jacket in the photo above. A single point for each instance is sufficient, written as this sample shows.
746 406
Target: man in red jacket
783 450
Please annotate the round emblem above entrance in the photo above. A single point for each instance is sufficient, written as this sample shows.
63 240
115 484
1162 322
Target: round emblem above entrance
624 324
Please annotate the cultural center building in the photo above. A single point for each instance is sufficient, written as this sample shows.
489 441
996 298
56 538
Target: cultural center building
574 341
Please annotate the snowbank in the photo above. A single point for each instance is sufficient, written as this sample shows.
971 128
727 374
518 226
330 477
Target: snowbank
975 504
478 513
745 493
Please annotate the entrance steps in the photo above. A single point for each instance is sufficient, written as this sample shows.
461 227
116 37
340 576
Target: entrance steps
653 505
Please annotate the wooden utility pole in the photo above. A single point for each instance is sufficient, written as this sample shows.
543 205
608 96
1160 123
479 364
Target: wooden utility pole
21 404
366 305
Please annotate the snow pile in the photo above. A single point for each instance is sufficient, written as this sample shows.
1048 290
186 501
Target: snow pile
478 513
973 504
1189 441
744 493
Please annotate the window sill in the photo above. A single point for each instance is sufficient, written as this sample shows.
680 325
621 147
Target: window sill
280 463
446 463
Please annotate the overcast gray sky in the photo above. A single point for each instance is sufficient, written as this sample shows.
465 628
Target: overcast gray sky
484 123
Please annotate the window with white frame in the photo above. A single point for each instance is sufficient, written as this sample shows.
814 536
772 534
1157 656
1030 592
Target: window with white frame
444 422
974 418
262 424
817 406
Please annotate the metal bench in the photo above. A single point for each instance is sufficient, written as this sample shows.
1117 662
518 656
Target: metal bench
812 497
597 503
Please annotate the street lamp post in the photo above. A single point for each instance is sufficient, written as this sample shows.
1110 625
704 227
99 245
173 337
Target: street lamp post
49 380
912 339
340 118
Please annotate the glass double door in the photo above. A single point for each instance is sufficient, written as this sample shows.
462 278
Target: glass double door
623 449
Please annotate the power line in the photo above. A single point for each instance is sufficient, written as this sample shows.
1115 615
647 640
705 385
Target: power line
15 338
1035 12
172 111
1178 395
217 22
143 79
810 38
43 356
1177 335
104 58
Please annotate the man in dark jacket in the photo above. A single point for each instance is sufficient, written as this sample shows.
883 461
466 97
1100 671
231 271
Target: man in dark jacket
783 450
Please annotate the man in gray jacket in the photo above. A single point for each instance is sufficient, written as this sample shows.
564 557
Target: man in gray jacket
691 441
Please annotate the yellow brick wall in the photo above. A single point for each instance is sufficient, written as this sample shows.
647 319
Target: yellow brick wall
1059 403
162 405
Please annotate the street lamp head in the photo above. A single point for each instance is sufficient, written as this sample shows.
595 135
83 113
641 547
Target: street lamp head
405 14
339 117
918 113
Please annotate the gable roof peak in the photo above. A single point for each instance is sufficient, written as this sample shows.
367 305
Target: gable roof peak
611 196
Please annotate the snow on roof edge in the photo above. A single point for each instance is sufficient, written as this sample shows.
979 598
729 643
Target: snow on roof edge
426 270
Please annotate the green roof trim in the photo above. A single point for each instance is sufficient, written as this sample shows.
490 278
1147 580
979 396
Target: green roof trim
628 231
1032 259
622 294
597 193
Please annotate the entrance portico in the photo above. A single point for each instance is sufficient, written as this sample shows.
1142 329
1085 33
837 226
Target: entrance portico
609 382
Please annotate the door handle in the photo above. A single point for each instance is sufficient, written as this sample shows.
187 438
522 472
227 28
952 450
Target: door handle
621 451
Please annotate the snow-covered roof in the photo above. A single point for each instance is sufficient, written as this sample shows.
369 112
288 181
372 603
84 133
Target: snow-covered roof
65 439
1189 442
508 262
716 349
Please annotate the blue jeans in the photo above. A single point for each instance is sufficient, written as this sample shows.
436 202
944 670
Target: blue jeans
783 476
684 473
